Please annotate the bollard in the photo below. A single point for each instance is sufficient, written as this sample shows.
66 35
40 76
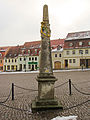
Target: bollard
12 91
70 87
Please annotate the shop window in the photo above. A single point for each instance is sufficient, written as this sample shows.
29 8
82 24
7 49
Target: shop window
8 67
29 66
24 66
12 67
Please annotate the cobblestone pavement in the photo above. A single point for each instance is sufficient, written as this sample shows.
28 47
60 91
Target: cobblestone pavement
23 98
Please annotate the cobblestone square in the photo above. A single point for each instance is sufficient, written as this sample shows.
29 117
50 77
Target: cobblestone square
19 109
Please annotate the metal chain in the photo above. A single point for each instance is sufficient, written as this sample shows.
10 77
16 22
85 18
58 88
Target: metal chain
79 90
7 97
61 84
25 88
14 108
29 111
76 105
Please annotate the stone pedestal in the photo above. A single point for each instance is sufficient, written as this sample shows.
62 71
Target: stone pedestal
46 99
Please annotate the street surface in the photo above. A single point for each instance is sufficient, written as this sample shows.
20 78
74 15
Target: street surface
23 98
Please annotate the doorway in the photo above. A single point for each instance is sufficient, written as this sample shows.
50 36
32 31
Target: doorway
66 63
57 65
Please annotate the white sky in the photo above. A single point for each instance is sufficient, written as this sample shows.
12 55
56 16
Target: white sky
20 19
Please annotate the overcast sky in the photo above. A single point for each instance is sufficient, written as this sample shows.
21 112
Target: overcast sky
20 19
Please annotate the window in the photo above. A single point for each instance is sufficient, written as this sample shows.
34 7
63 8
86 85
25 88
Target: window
55 55
1 67
86 51
8 67
73 52
9 60
80 43
59 55
20 59
24 59
0 61
12 60
29 58
5 60
74 61
70 60
36 67
35 51
28 51
80 51
15 60
35 58
88 43
24 66
32 58
70 44
12 67
29 66
67 52
0 54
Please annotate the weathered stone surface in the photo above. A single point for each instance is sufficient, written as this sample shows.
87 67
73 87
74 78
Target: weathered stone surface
46 79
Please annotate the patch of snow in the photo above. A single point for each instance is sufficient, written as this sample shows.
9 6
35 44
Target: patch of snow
65 118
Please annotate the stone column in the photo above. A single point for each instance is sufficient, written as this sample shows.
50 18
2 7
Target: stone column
45 99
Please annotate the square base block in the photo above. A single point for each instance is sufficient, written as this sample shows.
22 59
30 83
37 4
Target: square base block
42 105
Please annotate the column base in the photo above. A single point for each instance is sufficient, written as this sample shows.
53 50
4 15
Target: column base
42 105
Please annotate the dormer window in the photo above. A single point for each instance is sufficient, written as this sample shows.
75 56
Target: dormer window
70 44
28 51
9 54
15 54
0 54
80 43
59 47
88 43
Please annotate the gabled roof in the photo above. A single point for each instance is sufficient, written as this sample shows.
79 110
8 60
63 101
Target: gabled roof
13 52
78 35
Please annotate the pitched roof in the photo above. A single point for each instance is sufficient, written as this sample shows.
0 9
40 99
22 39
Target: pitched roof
78 35
53 43
13 52
4 48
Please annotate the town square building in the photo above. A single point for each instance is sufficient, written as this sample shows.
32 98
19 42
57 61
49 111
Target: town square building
76 52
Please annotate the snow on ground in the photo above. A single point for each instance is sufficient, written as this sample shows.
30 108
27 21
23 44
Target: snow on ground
38 71
65 118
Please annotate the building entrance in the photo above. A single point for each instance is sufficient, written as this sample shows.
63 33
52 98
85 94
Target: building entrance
66 63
